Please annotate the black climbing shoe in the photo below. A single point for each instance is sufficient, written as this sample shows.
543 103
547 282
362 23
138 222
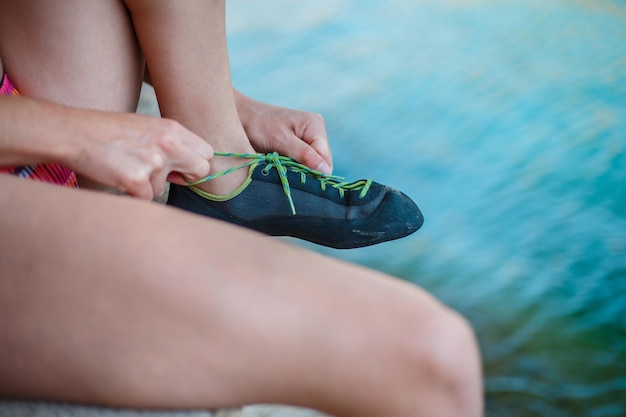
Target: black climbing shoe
284 198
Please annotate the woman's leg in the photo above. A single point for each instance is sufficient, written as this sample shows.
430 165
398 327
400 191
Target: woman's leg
115 301
162 309
186 53
73 52
86 54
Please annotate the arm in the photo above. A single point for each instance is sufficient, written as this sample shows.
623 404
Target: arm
24 142
130 152
184 44
190 72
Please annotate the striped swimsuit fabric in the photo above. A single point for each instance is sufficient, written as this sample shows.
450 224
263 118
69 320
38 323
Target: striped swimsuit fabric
50 172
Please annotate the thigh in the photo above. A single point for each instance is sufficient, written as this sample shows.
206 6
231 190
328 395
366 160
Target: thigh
74 52
110 300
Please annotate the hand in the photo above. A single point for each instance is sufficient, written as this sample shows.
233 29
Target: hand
298 134
137 154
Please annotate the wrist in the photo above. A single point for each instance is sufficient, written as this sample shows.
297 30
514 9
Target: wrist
31 132
67 137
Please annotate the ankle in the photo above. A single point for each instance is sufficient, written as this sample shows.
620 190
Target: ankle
225 184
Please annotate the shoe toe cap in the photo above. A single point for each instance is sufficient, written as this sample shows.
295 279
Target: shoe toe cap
397 216
399 213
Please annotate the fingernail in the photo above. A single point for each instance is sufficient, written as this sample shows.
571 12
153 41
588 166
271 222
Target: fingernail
325 168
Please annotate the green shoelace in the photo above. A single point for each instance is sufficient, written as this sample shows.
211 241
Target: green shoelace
282 164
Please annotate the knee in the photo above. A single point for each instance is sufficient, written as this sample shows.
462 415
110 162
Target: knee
442 363
456 363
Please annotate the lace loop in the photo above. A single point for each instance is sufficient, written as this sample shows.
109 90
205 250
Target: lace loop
282 164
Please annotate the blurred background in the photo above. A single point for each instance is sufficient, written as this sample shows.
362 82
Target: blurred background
505 120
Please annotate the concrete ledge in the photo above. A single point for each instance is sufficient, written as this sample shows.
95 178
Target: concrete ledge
10 408
46 409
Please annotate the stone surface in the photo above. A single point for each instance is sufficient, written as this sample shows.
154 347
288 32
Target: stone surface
10 408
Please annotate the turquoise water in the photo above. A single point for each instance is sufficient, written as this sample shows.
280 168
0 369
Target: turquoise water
506 121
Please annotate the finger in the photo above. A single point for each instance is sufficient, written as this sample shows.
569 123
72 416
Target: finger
173 134
177 178
199 145
182 179
322 147
138 185
192 169
304 153
158 183
315 135
189 157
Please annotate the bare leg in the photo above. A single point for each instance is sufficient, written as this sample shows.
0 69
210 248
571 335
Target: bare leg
154 309
186 53
86 54
77 53
72 52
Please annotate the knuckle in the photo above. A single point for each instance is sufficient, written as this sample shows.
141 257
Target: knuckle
169 134
157 161
135 181
316 118
166 141
198 171
170 126
203 169
282 140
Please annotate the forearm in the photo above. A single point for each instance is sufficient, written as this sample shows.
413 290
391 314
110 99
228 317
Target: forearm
33 131
130 152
